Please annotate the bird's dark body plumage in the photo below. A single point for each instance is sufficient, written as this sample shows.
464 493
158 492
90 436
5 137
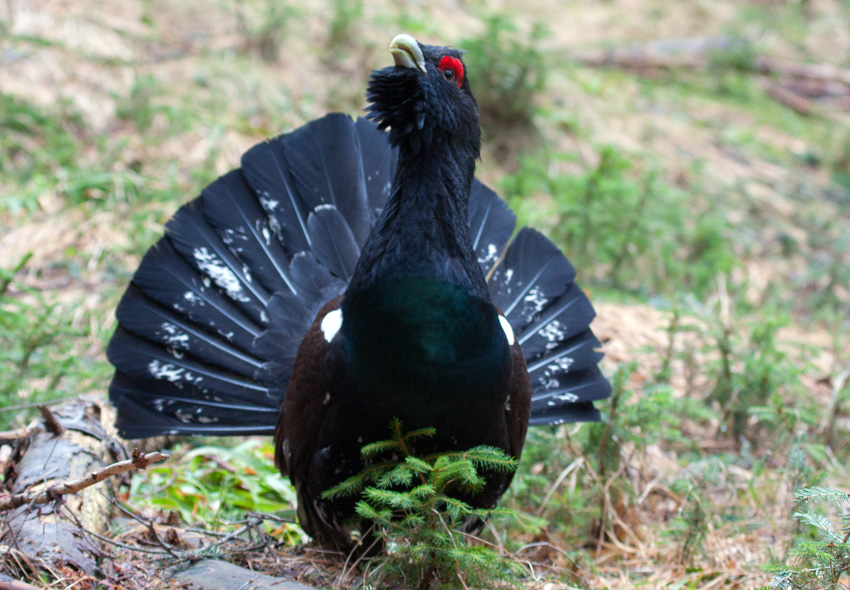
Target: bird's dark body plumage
337 280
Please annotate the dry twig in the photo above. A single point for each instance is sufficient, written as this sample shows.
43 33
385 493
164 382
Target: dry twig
139 461
15 585
21 432
51 424
787 97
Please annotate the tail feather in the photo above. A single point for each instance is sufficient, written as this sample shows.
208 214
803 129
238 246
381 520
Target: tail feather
326 170
142 358
578 387
547 372
179 335
312 277
533 285
578 412
144 410
266 170
209 328
491 223
167 278
378 163
241 223
335 246
532 274
567 316
198 243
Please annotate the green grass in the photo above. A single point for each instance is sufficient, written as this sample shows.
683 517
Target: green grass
42 338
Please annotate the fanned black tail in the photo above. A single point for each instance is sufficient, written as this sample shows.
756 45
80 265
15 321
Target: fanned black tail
532 282
210 325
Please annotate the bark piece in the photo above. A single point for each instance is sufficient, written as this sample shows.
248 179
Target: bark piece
84 446
211 574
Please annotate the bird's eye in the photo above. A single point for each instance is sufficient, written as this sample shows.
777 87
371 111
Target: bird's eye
452 69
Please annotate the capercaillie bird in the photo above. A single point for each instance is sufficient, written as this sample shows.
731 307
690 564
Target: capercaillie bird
348 273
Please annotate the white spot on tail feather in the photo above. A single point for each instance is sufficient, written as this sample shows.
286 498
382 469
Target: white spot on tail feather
172 373
562 364
534 301
193 298
174 337
492 253
165 371
331 324
268 203
212 266
557 367
554 332
509 332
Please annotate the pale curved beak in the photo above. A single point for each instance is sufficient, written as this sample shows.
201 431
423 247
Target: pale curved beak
407 53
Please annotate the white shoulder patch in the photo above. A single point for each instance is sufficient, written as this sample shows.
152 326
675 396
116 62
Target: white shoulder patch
331 324
506 326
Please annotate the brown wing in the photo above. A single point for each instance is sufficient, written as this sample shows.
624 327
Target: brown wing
518 404
303 411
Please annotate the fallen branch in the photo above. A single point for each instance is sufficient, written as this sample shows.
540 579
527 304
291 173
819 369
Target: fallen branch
696 53
139 461
818 81
788 98
21 432
825 72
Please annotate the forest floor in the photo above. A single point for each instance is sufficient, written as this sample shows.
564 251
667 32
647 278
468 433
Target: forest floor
691 158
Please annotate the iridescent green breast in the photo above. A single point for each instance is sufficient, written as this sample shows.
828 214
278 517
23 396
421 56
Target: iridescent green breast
426 337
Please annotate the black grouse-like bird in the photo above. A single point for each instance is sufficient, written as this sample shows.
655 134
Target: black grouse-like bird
346 275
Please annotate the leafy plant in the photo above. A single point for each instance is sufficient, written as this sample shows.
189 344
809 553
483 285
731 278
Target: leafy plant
510 72
817 563
754 377
216 484
37 337
416 515
620 218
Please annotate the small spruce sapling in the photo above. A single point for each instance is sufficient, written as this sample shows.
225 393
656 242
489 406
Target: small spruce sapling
412 506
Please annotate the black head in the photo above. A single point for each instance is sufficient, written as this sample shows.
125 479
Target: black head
425 98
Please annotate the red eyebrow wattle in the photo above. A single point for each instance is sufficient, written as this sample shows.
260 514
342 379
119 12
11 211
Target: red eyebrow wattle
452 63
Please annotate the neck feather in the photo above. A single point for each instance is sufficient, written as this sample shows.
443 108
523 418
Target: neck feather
424 228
